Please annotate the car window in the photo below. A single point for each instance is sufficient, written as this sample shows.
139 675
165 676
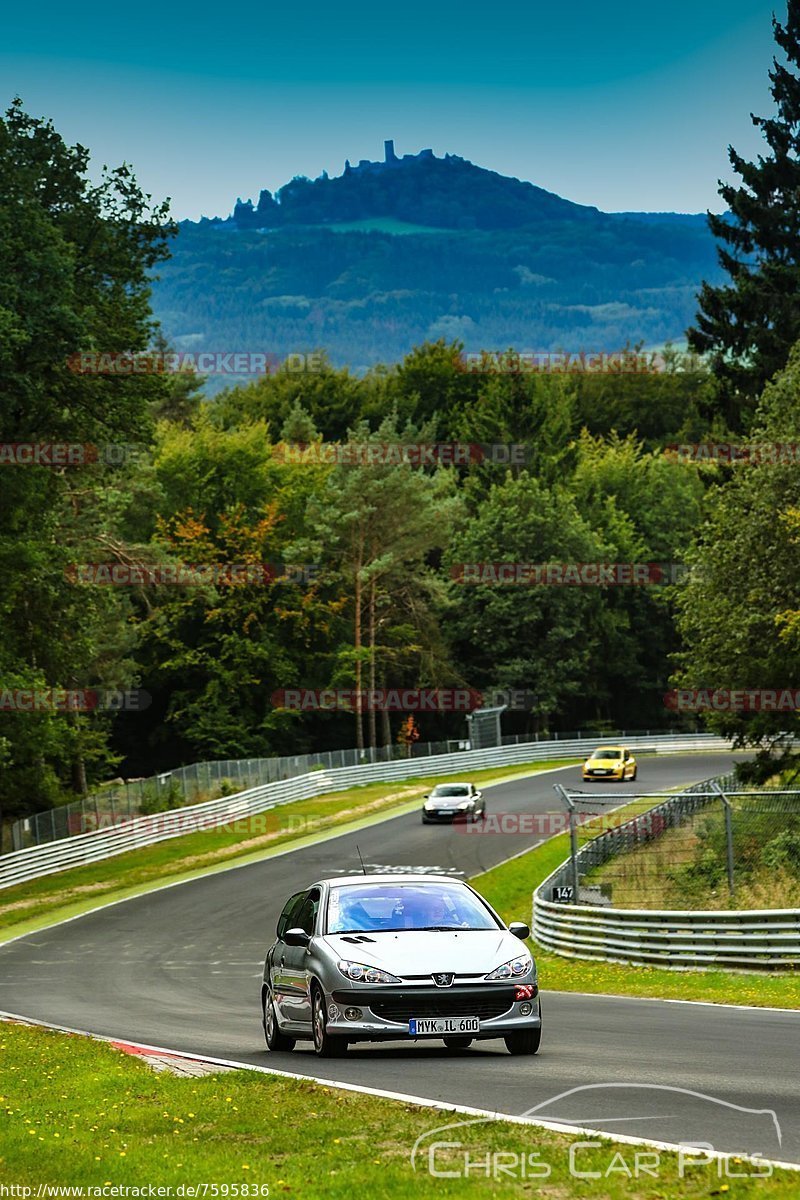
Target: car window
456 789
284 921
396 906
306 916
608 752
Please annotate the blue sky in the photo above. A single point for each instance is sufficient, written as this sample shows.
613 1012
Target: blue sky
618 104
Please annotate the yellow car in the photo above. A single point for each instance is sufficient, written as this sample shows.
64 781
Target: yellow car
610 762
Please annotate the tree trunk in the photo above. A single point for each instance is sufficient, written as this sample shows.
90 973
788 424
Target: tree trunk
79 783
78 767
373 738
357 642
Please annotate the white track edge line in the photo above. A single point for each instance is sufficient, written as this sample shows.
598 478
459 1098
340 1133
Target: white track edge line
406 1098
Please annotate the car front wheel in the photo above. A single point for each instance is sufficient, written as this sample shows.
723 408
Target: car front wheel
525 1041
274 1038
326 1045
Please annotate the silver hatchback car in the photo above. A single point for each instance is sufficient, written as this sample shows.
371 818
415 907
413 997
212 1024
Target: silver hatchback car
398 958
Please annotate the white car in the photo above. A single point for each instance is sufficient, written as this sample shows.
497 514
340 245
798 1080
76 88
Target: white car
453 802
398 958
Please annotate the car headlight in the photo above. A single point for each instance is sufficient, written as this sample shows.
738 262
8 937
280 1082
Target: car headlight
361 973
520 965
465 804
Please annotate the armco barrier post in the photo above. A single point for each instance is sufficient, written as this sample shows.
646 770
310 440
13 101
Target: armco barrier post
573 839
726 804
729 841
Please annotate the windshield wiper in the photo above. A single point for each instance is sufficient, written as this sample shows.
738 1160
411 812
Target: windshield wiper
438 928
336 932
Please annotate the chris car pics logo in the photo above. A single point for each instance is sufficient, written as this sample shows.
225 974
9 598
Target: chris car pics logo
468 1148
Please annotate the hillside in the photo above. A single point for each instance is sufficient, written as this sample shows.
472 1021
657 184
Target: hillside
449 193
389 254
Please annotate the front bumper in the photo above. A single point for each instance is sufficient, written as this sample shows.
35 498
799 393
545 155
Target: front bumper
614 775
386 1011
447 816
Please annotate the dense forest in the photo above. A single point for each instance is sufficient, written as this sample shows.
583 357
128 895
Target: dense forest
211 553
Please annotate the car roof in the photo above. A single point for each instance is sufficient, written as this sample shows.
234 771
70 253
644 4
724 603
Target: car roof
453 783
393 877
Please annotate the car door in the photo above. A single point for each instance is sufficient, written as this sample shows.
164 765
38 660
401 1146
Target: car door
278 980
295 958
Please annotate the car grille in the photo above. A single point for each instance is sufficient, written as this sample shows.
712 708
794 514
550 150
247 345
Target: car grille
443 1005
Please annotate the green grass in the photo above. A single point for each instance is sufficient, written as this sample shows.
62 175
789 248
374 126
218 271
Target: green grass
81 1113
53 897
509 888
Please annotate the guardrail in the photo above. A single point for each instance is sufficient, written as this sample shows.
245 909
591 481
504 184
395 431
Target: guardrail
202 781
131 833
733 939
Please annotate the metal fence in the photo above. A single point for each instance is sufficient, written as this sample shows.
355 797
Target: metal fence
127 833
691 881
209 780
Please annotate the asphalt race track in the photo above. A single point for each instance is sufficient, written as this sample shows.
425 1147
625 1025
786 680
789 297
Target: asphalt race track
181 968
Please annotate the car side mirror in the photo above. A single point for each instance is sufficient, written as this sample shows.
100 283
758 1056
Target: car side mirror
296 937
520 930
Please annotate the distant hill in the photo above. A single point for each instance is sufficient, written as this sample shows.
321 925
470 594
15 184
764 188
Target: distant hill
448 193
391 253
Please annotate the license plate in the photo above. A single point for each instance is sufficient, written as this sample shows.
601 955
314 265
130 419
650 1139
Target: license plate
420 1025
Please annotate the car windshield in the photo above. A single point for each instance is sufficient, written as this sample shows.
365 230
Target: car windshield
356 908
608 752
450 789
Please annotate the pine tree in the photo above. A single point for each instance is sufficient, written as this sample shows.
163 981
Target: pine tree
749 325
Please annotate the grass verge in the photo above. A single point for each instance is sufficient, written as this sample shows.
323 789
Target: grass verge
509 888
80 1113
41 901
